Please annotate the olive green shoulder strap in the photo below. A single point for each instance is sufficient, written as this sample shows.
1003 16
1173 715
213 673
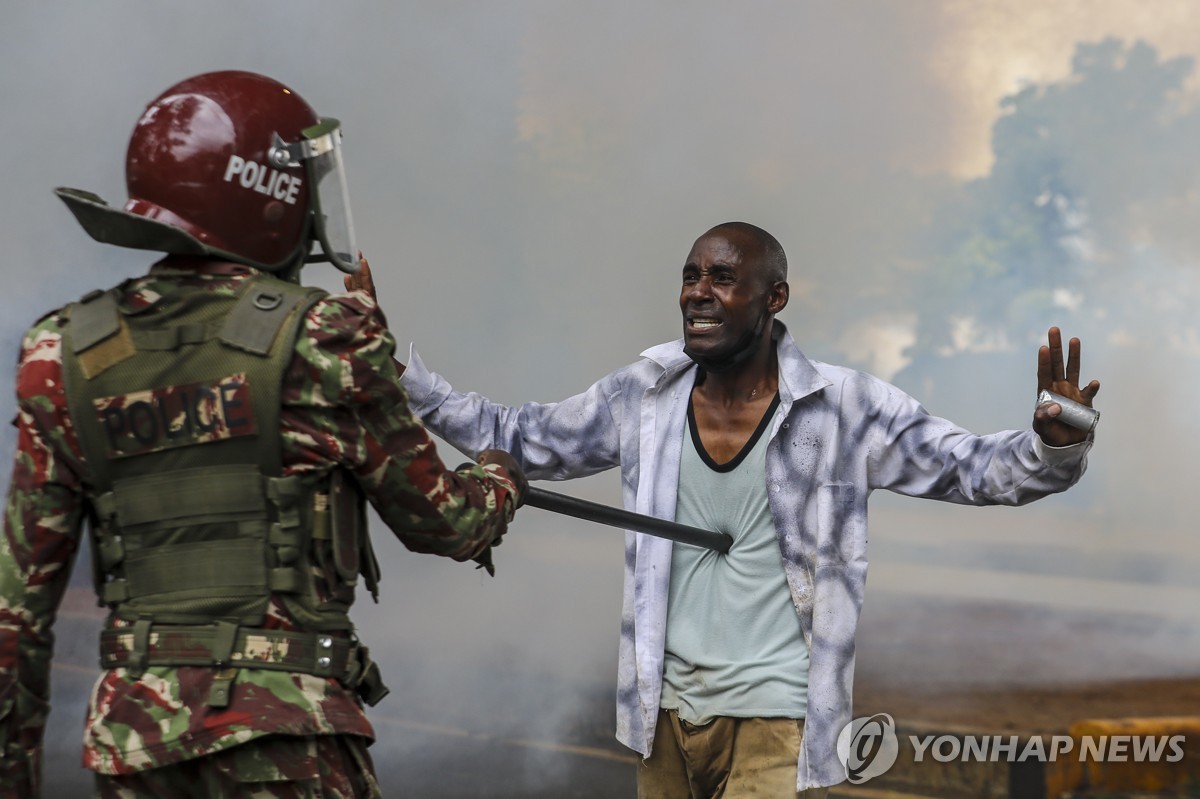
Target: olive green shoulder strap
93 319
266 321
257 320
92 327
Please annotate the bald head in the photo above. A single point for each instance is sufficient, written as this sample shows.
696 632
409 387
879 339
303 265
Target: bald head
765 248
734 282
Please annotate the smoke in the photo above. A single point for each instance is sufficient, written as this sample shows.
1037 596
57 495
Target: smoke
948 180
1081 223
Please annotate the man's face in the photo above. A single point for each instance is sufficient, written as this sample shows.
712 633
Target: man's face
726 299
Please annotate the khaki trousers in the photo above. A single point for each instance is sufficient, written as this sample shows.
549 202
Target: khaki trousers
728 758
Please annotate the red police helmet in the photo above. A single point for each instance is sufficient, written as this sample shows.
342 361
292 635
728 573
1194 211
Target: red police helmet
199 160
229 164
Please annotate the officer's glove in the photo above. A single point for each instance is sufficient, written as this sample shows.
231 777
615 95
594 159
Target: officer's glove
510 465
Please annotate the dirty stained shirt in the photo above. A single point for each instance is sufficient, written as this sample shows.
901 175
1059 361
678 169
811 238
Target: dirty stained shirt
839 434
343 407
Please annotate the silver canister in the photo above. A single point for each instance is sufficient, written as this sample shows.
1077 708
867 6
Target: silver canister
1073 413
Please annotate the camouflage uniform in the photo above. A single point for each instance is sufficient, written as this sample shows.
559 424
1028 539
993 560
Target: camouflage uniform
343 408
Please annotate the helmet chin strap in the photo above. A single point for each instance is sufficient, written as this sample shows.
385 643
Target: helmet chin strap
291 273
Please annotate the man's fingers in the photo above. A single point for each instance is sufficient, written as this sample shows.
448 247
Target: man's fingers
1044 377
1090 390
1056 354
1073 362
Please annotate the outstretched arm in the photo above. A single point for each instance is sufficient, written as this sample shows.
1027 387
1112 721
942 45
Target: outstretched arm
921 455
1063 379
346 405
572 438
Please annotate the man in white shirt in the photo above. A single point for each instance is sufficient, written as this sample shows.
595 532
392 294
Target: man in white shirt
735 670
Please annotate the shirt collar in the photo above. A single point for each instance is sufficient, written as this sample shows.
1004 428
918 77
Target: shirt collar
798 376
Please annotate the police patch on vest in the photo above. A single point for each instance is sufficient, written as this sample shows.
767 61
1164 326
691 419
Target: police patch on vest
176 416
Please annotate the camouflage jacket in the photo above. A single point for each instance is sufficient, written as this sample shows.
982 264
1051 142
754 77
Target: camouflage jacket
343 407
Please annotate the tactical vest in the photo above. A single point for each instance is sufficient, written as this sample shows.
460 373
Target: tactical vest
194 527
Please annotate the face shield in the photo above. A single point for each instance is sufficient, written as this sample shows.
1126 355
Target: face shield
320 151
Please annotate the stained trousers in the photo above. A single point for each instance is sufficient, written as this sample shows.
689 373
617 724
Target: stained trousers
728 758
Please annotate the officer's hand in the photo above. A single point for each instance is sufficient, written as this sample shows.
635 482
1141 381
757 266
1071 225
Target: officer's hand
361 280
510 465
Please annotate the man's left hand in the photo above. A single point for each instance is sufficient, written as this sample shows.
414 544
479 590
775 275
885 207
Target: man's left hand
1054 375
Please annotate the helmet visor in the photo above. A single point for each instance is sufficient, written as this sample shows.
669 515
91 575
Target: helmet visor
330 196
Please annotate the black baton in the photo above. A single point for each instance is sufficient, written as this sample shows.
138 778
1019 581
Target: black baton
626 520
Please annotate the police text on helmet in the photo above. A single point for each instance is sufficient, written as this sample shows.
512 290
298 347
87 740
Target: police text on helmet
263 179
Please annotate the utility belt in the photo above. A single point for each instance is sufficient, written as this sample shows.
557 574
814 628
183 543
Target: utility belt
228 647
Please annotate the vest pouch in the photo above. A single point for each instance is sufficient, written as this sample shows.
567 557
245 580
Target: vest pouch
353 553
347 517
323 600
198 581
194 546
339 535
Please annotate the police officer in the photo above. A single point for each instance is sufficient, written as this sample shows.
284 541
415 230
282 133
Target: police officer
220 428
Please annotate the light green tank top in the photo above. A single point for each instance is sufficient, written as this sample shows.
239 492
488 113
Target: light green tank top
734 645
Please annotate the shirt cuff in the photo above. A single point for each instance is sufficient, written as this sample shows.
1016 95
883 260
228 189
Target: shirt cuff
1055 456
417 380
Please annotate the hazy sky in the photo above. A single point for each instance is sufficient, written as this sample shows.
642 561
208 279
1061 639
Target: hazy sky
528 177
948 180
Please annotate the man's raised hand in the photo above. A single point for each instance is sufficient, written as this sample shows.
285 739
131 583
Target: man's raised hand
1053 374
